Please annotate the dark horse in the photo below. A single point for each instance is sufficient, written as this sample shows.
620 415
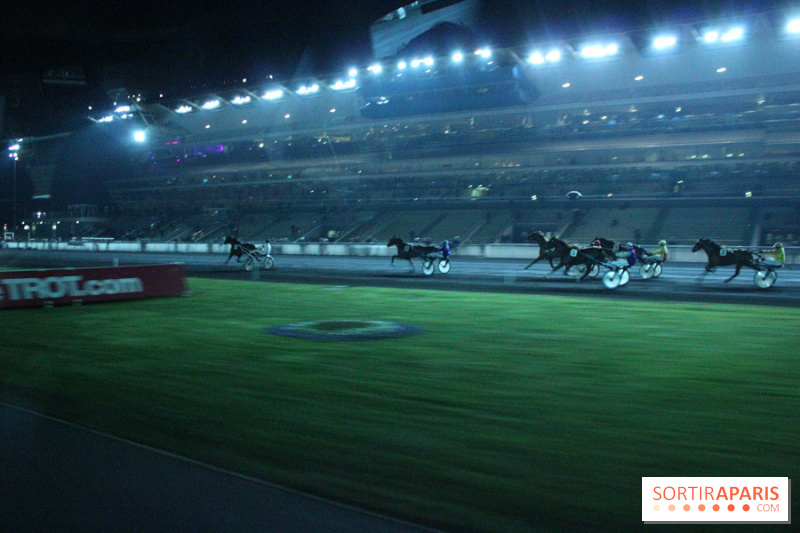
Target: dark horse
237 248
547 250
721 256
570 256
409 251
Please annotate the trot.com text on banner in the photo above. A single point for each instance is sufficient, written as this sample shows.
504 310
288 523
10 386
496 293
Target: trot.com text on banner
737 500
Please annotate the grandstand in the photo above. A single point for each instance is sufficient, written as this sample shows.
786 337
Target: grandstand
669 132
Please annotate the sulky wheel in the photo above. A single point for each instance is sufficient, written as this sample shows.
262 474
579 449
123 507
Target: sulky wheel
249 264
612 279
427 267
269 262
594 271
765 278
444 266
657 270
647 270
625 277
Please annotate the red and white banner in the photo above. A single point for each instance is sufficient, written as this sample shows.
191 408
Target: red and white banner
37 288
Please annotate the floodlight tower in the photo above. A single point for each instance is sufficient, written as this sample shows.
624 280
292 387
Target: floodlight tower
13 153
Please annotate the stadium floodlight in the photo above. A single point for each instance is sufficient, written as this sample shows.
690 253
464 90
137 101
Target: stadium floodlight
664 42
485 53
139 136
14 147
123 109
553 56
713 36
458 57
342 85
211 104
375 69
402 65
537 58
428 61
416 63
306 90
595 51
734 34
353 72
182 110
107 118
241 100
273 94
793 26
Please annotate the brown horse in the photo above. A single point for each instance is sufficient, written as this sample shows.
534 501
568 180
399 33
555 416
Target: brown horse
721 256
237 248
547 250
409 251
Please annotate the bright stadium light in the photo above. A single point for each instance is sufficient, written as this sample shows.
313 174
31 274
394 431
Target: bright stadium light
598 51
416 63
273 94
211 104
305 90
538 58
375 69
342 85
713 36
793 26
458 57
123 109
353 72
428 61
553 56
664 41
241 100
734 34
485 53
139 136
182 110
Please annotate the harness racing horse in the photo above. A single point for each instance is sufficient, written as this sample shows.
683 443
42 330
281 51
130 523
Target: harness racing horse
589 258
547 250
409 251
557 251
237 247
720 256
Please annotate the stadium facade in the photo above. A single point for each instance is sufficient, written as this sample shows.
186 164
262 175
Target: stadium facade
668 132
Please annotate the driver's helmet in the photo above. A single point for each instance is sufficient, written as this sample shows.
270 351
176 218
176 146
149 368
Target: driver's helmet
629 245
778 245
267 240
446 243
596 242
662 243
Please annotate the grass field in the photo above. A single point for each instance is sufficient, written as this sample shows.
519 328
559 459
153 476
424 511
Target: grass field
509 413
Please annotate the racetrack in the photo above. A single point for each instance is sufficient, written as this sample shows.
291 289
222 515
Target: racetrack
679 281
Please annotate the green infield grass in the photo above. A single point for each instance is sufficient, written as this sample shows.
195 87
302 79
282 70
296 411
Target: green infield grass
508 413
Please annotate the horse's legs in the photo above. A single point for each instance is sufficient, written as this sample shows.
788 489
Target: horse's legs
738 268
534 262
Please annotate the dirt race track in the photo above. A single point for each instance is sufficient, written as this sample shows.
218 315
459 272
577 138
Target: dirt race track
679 281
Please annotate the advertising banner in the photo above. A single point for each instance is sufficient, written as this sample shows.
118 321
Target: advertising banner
65 286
